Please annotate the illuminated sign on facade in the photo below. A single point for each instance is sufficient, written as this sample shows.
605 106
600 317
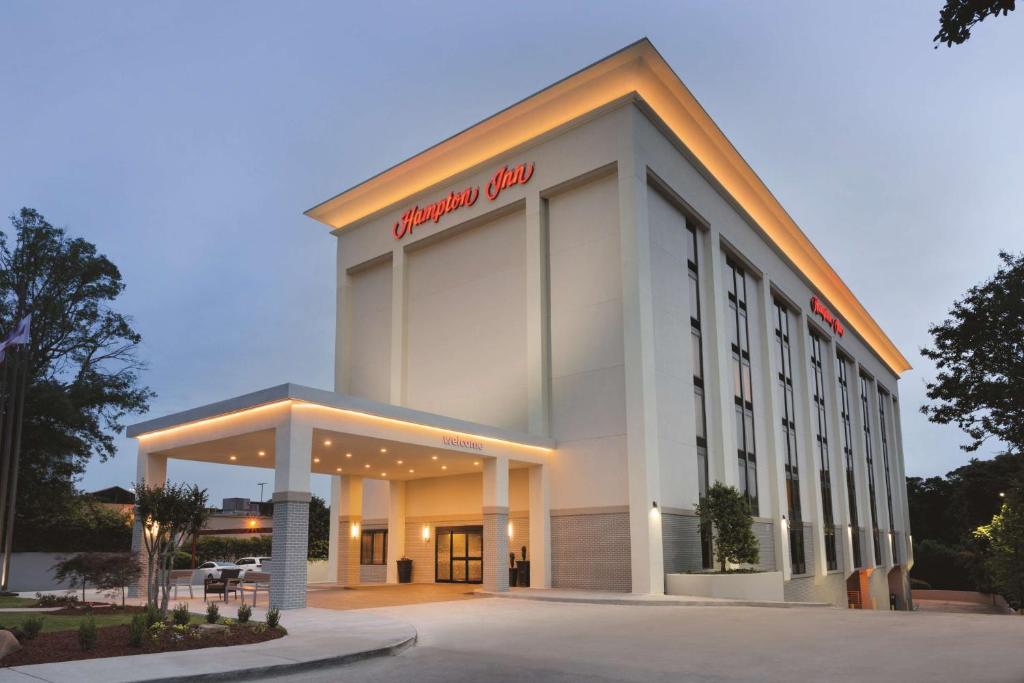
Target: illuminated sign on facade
504 178
822 312
459 442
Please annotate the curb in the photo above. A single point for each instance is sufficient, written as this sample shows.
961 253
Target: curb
655 603
291 668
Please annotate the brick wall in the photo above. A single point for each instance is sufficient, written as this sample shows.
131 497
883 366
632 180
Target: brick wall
495 543
290 551
373 573
591 551
680 538
829 588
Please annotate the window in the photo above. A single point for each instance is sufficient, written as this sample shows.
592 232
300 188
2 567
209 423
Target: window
699 408
374 547
847 432
739 345
787 434
821 444
883 399
865 415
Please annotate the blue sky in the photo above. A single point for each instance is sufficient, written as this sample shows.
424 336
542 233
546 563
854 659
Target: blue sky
185 140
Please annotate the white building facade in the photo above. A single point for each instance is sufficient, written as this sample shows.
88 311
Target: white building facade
554 331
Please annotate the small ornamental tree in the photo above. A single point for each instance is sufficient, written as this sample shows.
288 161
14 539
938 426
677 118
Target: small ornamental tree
116 571
1005 538
81 570
170 515
725 511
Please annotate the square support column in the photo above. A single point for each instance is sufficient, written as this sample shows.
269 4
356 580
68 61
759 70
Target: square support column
151 469
396 529
540 528
348 514
495 515
293 451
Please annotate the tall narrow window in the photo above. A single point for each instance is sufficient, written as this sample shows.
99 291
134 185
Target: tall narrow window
700 414
787 434
883 399
848 459
821 444
739 345
865 415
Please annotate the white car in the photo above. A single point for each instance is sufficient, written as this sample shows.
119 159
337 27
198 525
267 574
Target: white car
212 569
254 564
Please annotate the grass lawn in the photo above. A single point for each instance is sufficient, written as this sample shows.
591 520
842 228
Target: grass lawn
12 601
66 622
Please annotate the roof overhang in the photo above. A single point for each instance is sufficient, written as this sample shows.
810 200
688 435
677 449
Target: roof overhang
635 70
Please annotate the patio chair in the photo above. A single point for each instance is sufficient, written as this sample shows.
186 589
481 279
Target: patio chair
254 582
228 582
181 578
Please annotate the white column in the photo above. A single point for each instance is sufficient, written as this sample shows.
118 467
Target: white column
333 544
540 528
833 410
151 468
349 519
396 528
293 448
342 327
495 515
719 397
538 329
807 428
860 458
645 542
398 289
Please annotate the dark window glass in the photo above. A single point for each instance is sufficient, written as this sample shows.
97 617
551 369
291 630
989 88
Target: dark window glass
821 445
373 547
699 408
739 347
842 371
787 433
865 411
883 401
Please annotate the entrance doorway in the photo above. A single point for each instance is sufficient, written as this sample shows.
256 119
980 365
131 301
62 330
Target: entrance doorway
459 554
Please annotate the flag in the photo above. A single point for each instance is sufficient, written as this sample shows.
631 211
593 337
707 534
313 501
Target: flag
19 335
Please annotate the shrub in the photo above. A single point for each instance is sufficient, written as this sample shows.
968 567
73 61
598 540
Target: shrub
273 617
51 600
181 614
87 633
32 626
137 630
212 613
724 510
17 633
152 615
244 612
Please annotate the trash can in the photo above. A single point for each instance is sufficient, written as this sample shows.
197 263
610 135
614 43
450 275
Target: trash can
404 570
523 571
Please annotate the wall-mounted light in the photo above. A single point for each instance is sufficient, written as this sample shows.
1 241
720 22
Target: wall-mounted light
426 533
354 529
511 530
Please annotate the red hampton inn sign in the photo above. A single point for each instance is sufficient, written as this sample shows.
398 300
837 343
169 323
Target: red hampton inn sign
505 177
822 312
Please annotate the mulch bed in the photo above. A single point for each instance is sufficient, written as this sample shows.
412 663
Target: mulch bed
112 641
84 610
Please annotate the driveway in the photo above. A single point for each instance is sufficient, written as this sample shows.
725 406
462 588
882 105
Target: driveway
386 595
494 640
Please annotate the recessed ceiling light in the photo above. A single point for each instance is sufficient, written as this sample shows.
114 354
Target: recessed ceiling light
261 453
327 442
348 455
476 463
339 469
444 467
316 459
232 457
383 474
400 462
411 471
383 450
433 457
367 465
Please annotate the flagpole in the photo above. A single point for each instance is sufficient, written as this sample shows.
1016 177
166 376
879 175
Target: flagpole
11 371
26 358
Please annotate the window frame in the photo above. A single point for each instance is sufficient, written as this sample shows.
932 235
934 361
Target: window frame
373 534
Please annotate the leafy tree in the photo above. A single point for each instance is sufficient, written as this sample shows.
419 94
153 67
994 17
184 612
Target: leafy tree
978 353
170 515
958 17
726 512
76 524
1005 538
79 570
319 528
116 571
83 376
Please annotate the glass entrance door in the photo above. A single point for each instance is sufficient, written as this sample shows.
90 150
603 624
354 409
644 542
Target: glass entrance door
458 554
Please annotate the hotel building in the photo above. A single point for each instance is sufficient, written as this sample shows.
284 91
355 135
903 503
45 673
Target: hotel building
555 330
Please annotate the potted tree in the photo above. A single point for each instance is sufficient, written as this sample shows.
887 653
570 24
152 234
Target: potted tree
404 570
523 565
513 573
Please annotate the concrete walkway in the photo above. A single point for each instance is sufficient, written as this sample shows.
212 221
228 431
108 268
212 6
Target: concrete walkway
316 638
614 598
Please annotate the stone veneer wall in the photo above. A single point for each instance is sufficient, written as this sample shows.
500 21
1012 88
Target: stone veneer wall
373 573
495 541
829 588
766 540
290 551
591 551
680 538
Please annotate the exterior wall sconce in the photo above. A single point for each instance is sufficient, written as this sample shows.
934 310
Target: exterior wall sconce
354 529
426 533
510 530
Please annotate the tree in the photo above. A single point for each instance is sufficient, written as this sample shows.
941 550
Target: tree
319 528
725 510
83 376
81 570
958 17
170 515
116 571
1005 537
979 357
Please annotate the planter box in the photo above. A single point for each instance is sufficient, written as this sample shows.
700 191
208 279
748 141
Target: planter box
760 586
